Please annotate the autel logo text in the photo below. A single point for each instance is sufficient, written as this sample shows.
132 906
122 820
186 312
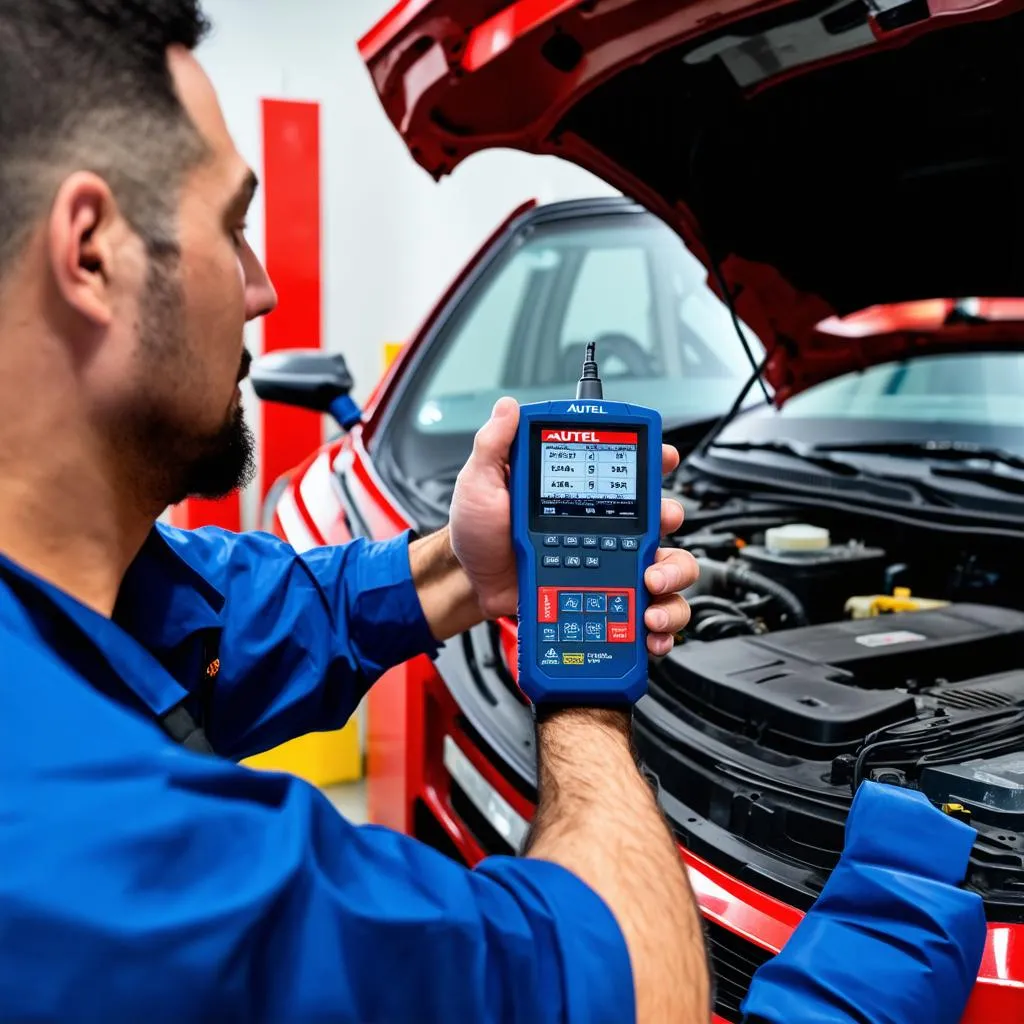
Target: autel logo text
588 410
572 436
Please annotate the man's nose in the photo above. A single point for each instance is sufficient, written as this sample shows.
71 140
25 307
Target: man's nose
260 293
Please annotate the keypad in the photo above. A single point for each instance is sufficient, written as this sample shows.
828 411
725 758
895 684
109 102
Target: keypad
592 541
580 624
582 617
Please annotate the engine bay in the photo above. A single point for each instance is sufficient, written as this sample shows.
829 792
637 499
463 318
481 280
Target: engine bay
828 650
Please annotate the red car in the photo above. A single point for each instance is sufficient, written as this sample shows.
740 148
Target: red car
860 523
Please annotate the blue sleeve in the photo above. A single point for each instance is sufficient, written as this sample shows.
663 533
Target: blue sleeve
305 636
892 938
142 882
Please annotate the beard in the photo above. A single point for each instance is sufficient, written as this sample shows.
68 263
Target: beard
175 461
227 462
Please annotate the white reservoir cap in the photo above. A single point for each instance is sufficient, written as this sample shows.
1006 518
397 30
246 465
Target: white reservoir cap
797 537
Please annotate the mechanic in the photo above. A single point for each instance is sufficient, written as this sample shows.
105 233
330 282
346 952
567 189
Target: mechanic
143 874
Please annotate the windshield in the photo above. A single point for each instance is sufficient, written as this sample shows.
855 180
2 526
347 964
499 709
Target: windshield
619 278
970 398
624 281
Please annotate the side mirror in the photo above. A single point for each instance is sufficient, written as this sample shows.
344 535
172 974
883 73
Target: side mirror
308 379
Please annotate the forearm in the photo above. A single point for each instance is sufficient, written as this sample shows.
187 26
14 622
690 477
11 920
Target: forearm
598 817
449 602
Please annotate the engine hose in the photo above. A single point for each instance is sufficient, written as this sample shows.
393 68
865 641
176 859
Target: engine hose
706 603
738 575
719 626
713 614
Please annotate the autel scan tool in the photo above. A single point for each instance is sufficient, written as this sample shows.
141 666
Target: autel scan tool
586 516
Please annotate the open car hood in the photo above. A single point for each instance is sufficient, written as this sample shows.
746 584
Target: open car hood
825 157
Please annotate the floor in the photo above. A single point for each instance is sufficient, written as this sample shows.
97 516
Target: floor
350 800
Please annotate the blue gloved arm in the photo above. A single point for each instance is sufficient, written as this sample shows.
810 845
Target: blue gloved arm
892 939
305 636
144 883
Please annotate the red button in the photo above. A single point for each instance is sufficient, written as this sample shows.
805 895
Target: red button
547 604
618 632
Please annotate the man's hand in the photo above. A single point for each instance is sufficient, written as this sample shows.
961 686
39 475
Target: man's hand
481 535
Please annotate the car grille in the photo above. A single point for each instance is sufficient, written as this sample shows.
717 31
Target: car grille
427 829
480 828
733 963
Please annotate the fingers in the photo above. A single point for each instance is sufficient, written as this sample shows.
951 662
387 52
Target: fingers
669 458
659 644
668 613
673 570
494 439
671 516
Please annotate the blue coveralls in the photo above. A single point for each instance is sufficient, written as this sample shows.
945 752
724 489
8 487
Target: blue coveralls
143 882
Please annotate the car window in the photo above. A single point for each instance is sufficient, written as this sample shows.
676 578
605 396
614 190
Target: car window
970 398
950 389
487 333
612 295
624 281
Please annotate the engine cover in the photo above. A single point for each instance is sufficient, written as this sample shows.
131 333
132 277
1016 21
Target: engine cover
818 692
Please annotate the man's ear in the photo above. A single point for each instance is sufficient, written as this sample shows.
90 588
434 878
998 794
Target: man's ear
83 231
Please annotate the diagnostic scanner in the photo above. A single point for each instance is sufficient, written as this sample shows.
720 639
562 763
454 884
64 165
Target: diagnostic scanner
586 515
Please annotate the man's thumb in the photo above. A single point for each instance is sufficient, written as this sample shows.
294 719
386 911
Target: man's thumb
494 440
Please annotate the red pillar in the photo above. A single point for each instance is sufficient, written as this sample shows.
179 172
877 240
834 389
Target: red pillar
291 172
291 197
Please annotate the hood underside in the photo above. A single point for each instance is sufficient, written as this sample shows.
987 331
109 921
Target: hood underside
823 156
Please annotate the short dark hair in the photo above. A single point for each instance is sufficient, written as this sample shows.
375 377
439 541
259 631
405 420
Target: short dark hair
85 85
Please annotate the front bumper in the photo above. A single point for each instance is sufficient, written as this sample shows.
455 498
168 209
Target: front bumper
470 805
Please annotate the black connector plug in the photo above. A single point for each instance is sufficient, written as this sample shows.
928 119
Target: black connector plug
590 386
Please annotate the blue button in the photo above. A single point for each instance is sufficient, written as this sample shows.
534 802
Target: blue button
570 602
618 605
571 540
590 542
592 561
548 634
572 629
552 561
596 603
630 543
609 543
552 540
572 561
594 631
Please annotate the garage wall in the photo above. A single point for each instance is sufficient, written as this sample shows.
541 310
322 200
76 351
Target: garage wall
392 238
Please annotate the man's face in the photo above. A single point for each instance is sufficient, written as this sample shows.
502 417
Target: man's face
190 357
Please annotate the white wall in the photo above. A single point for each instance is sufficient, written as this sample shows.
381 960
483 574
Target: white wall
393 238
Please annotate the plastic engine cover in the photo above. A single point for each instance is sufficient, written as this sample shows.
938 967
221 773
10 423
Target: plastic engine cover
818 691
991 790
